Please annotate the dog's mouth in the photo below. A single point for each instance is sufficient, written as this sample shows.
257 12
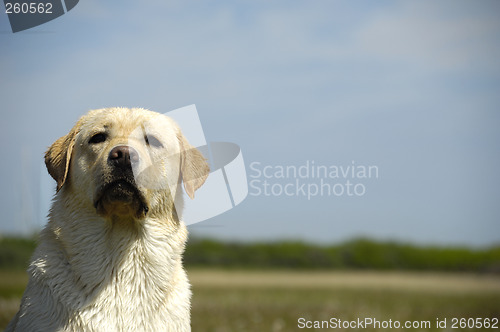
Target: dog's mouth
121 198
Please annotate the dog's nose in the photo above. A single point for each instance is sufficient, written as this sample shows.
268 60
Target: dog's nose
123 156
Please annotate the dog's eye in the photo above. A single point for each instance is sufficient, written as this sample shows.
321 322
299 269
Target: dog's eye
152 141
97 138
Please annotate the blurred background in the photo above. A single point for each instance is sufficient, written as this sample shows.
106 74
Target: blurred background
410 88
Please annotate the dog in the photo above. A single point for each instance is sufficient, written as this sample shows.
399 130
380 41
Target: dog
110 256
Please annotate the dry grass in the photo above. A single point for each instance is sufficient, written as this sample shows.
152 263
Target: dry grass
407 281
275 300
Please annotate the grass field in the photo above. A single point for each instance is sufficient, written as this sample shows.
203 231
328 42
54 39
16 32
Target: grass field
275 300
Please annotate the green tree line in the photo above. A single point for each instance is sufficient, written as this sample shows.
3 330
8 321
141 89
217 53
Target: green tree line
355 254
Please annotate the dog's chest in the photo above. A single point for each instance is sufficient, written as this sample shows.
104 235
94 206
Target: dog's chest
139 294
125 304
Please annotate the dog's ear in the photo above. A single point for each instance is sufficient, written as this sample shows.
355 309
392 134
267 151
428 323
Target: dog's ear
58 157
194 166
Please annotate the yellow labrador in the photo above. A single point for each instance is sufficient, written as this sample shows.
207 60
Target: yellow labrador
110 257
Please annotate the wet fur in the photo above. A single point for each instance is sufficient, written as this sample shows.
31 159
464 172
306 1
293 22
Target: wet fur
109 272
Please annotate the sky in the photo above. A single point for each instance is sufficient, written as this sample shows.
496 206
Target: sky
411 88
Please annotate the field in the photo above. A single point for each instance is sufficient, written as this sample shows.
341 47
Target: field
240 300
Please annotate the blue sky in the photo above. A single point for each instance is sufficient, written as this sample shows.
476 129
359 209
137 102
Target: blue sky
411 87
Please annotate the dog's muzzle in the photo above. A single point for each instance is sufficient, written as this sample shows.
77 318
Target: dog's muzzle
119 195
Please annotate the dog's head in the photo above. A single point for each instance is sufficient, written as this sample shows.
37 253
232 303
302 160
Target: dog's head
125 162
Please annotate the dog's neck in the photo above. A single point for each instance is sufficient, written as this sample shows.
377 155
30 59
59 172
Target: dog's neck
92 253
